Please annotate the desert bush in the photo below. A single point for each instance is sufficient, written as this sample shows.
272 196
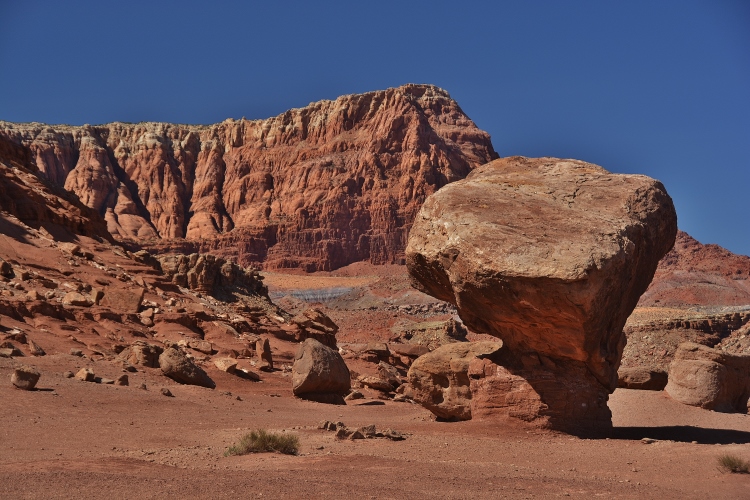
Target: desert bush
733 463
260 441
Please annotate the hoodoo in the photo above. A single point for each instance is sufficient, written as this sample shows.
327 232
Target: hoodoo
550 256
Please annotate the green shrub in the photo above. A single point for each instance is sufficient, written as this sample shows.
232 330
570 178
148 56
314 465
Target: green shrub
260 441
732 463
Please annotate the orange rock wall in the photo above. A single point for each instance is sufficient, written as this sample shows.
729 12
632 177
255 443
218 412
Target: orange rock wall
314 188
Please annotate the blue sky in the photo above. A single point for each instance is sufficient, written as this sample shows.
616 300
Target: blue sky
654 87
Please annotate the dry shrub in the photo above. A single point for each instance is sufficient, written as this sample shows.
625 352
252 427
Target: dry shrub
734 464
260 441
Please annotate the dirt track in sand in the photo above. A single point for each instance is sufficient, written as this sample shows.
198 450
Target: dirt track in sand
85 440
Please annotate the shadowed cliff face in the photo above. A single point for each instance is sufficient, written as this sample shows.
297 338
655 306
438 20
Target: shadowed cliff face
314 188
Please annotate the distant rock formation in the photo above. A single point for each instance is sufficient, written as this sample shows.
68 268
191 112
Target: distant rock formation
315 188
551 256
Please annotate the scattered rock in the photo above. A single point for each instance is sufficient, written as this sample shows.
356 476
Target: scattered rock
641 378
354 395
25 377
315 324
86 375
33 295
142 353
317 370
708 378
201 346
164 391
175 365
122 380
76 352
106 381
35 349
226 364
76 299
376 383
6 270
390 374
68 374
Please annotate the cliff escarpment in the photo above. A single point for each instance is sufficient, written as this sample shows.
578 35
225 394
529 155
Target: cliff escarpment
314 188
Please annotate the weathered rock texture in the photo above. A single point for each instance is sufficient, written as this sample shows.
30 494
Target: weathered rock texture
708 378
316 188
641 378
551 256
440 381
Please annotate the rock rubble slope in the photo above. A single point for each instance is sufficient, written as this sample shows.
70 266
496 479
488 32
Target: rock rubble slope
551 256
314 188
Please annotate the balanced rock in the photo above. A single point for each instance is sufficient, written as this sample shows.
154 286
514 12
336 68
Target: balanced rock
708 378
551 256
319 370
25 377
177 366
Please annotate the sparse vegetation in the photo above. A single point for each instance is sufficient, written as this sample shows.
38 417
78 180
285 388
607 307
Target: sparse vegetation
260 441
734 464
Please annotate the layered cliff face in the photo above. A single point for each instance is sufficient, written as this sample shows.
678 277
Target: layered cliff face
314 188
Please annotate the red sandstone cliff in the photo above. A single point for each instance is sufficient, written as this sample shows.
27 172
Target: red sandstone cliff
315 188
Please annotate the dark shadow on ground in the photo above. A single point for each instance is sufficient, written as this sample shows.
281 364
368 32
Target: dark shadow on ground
683 433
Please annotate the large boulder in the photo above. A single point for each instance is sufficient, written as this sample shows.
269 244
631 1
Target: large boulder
708 378
177 366
551 256
319 372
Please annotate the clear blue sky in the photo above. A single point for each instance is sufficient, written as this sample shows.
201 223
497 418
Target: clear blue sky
654 87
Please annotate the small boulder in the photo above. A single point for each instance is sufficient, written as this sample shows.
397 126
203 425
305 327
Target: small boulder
25 377
389 373
641 378
226 364
86 375
166 392
142 353
177 366
376 383
6 270
122 380
33 295
318 369
201 346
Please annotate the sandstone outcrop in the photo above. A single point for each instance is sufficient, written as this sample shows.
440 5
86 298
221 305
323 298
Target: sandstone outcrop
551 256
440 380
211 275
319 373
316 188
708 378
